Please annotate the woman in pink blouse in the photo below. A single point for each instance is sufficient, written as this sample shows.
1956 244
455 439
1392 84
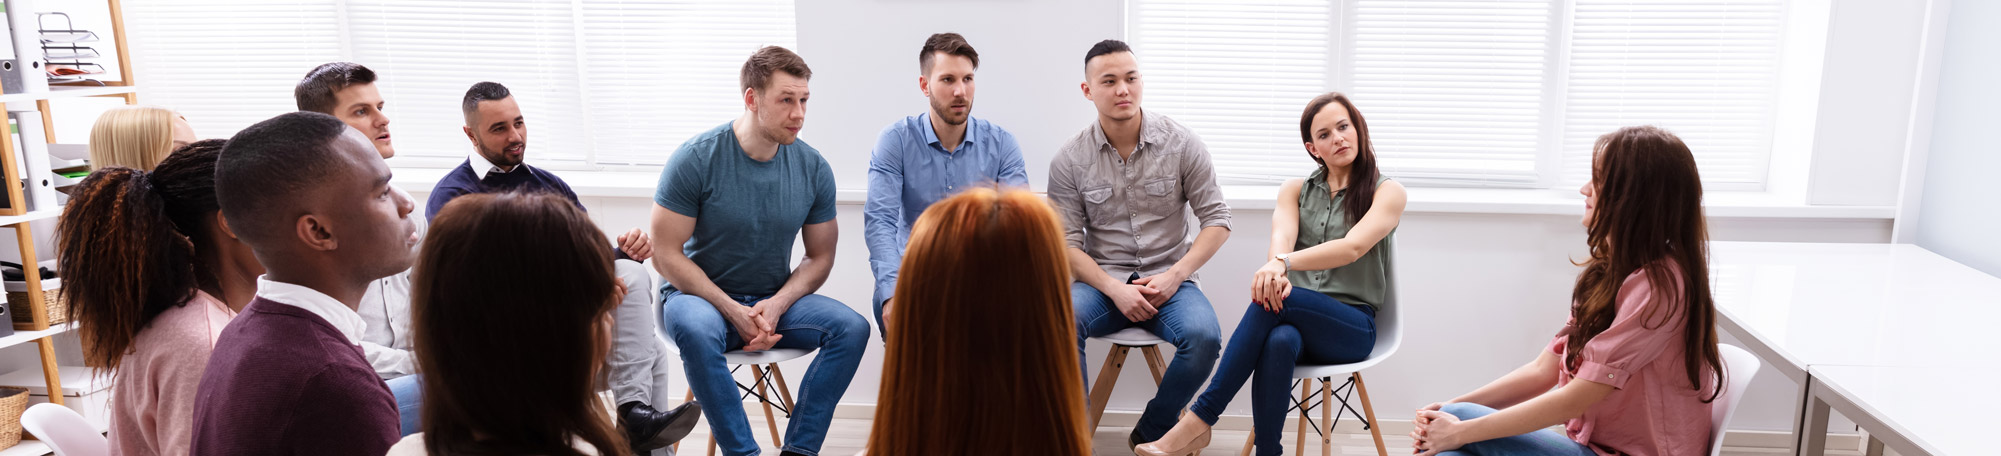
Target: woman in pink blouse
152 275
1641 336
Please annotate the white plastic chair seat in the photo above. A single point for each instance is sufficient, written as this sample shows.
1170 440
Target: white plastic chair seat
1738 368
1384 348
1132 337
775 355
764 357
66 432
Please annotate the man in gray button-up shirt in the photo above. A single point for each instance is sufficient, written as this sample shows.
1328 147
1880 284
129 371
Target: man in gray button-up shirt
1124 187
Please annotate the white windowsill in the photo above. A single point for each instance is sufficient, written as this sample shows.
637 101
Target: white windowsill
628 184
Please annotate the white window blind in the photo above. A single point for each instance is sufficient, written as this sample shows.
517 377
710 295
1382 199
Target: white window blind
227 64
602 82
428 52
662 72
1705 70
1491 93
1238 74
1454 92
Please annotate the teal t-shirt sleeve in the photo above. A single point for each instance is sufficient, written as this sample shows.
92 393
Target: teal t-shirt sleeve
823 194
681 186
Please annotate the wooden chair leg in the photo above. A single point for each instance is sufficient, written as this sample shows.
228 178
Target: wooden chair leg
1326 418
784 393
1375 428
1305 394
1154 363
676 447
1248 442
1101 390
770 420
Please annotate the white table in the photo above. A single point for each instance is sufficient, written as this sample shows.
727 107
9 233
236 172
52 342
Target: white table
1923 410
1801 306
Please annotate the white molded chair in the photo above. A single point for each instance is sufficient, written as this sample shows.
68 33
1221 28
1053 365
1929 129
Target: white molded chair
64 431
1122 342
1739 366
764 370
1389 337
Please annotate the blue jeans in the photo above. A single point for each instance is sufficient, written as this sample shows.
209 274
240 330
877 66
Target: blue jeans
814 322
1539 443
409 392
1312 328
1186 321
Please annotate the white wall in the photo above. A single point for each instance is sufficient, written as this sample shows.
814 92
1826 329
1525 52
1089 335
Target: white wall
1869 80
1961 213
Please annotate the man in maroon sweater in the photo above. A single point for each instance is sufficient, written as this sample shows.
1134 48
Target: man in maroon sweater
312 199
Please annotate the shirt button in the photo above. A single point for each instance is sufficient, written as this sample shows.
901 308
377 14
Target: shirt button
948 187
1608 375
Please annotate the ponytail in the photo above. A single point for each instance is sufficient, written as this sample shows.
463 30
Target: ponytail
126 245
124 261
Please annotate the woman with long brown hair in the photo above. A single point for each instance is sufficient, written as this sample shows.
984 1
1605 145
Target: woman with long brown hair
152 276
511 300
1641 335
1319 289
985 341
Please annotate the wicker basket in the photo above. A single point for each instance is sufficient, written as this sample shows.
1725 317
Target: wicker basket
52 298
13 402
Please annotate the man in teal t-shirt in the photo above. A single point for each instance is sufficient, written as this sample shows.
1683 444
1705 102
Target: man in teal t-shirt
730 202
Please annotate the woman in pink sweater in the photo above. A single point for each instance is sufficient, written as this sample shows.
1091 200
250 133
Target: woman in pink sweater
152 276
1634 370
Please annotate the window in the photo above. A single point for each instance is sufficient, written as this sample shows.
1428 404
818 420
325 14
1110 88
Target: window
228 64
1707 72
1238 74
1454 93
603 83
1495 93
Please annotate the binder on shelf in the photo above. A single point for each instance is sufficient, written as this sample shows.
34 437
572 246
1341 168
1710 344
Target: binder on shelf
13 198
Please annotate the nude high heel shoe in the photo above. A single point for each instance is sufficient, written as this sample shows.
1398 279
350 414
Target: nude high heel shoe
1193 448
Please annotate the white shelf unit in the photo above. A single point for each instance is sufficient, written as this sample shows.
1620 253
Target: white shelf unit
31 216
27 448
25 336
58 92
29 110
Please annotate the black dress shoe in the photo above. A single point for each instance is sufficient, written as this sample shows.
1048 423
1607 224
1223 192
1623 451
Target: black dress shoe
650 429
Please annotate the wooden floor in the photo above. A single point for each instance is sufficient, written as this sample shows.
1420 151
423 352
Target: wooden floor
847 437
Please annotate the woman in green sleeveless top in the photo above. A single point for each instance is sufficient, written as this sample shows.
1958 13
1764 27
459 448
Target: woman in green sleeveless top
1317 296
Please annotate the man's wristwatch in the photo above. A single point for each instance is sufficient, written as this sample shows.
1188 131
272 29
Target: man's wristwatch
1287 259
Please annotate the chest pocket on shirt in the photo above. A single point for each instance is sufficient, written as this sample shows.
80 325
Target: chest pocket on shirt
1095 210
1097 195
1161 192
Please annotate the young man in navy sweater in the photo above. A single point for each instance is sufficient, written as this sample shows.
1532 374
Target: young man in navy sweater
638 363
313 201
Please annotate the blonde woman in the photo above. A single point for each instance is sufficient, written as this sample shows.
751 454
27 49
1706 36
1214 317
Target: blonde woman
137 137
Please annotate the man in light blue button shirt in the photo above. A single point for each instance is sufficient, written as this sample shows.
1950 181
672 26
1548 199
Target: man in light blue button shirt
927 157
